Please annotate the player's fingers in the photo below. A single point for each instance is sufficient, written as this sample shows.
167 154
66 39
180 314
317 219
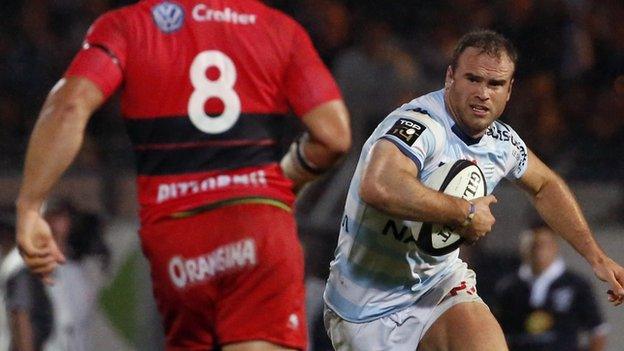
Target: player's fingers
493 199
45 269
56 252
619 277
36 261
617 286
614 298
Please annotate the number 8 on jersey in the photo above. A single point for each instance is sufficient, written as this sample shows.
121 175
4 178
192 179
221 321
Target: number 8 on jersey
222 88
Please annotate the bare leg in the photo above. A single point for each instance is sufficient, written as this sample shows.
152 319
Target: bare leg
468 326
255 345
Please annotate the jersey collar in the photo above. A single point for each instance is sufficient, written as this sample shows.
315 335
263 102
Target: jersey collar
467 139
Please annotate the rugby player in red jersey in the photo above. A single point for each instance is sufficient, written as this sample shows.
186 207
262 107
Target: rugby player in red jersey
204 88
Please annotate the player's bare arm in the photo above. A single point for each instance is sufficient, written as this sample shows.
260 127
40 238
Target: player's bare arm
390 184
54 143
558 207
327 139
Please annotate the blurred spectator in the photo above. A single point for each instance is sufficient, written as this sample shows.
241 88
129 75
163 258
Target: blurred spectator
77 282
10 264
58 317
544 306
25 314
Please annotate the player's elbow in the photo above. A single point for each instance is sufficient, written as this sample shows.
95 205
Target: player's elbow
329 126
340 142
372 192
65 113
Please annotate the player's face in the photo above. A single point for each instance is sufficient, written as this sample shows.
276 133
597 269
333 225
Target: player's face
478 89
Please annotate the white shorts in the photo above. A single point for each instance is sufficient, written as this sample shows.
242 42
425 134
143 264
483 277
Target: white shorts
404 329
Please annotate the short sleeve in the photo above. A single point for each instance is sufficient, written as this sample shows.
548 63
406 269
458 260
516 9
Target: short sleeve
308 82
518 155
103 54
417 135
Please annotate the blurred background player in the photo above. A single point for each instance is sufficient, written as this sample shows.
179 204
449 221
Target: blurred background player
26 319
545 306
11 264
77 282
206 87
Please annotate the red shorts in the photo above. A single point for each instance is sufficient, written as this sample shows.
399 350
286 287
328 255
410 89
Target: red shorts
228 275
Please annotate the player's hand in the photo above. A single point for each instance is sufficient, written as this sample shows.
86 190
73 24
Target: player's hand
482 222
36 244
609 271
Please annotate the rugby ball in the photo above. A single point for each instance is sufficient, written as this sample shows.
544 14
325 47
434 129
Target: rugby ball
461 178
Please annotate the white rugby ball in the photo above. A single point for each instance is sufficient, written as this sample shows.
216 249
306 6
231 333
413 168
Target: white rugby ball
461 178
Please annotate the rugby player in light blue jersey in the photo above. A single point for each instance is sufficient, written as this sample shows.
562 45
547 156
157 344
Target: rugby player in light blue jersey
386 293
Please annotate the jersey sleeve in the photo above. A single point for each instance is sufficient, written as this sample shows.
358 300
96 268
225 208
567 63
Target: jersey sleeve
518 156
308 82
417 135
103 54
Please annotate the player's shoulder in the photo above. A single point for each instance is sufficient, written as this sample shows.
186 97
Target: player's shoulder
416 114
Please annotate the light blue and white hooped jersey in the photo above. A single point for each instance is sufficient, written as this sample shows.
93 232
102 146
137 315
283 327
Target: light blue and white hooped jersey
378 269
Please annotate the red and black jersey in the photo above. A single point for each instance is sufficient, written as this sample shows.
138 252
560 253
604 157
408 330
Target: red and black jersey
205 86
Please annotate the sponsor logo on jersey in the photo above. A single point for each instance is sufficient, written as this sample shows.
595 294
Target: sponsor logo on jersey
168 16
406 130
202 13
169 191
520 153
237 255
404 234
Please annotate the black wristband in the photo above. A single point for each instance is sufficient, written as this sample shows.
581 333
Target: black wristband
302 159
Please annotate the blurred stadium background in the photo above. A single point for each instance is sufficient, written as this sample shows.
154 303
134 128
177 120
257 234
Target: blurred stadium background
567 104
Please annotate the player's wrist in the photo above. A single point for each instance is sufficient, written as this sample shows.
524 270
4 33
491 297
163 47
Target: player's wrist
25 204
296 166
469 215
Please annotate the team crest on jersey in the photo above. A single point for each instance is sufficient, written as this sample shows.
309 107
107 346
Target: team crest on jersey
168 16
407 130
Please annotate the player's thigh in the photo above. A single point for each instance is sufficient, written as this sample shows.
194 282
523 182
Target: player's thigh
468 326
256 345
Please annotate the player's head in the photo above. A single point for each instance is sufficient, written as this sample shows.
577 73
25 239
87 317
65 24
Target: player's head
539 247
479 79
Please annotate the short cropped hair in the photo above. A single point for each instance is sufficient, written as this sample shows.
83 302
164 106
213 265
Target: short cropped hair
489 42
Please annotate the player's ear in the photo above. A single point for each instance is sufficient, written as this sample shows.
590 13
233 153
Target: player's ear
510 88
448 79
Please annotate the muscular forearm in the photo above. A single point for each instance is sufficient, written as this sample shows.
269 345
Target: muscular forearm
557 205
400 195
54 143
57 137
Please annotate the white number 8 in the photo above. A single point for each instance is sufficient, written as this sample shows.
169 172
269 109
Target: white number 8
222 88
